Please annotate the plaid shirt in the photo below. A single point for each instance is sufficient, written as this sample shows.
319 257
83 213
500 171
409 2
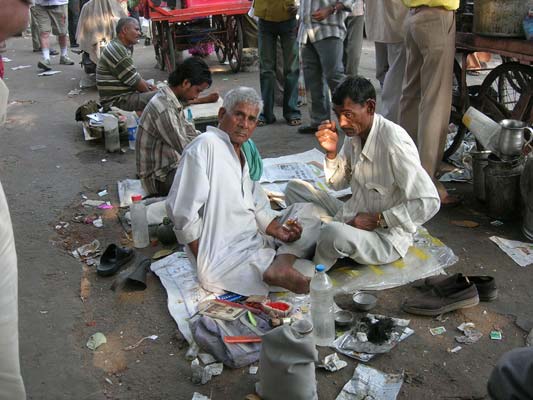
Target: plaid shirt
332 26
162 135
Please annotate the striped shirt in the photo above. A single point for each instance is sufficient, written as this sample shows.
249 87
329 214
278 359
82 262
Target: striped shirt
332 26
115 74
385 176
162 135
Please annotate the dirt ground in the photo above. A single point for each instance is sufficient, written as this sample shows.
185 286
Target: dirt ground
45 186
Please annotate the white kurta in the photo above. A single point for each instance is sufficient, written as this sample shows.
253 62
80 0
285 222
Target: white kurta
385 176
214 200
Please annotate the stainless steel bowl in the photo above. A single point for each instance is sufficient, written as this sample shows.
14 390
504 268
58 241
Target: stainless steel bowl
343 318
364 301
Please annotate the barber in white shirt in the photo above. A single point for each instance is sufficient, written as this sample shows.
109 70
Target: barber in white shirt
391 193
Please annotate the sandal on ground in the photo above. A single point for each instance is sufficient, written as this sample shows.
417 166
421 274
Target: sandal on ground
262 121
294 122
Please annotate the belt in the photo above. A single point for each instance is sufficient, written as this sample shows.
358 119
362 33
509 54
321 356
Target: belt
415 10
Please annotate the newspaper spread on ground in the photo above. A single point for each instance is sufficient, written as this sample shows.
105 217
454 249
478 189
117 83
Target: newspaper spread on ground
308 166
520 252
369 383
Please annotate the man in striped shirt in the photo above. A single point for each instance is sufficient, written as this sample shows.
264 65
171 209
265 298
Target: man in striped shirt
321 35
119 84
164 131
392 195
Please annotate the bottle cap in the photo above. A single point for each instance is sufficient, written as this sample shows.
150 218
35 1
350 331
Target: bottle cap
320 268
136 197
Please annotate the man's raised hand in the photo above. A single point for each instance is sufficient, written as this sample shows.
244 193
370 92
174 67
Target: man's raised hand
328 138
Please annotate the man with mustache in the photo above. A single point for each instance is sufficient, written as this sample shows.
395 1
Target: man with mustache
391 193
238 243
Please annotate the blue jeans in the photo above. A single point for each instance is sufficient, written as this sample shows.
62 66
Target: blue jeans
268 33
323 69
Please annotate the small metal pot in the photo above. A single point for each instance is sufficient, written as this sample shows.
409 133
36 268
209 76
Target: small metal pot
511 139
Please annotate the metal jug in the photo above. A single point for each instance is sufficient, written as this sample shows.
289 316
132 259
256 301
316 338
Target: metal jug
511 139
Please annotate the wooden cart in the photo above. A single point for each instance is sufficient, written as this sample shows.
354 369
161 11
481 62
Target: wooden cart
198 22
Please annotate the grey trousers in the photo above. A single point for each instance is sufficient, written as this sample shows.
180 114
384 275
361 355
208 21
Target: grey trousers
353 44
512 377
391 92
382 63
35 34
337 239
323 70
134 101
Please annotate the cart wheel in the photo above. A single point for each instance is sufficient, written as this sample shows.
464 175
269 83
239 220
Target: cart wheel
220 48
234 42
157 40
507 92
167 49
459 106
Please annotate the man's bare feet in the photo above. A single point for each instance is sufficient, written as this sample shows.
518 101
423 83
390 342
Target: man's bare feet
281 273
447 200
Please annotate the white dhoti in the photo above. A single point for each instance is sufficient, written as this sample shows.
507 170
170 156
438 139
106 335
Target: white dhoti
337 239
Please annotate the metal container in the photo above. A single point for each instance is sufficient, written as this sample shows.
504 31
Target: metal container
526 187
500 17
479 162
502 179
511 139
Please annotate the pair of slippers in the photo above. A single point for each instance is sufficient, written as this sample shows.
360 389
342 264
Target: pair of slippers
291 122
115 257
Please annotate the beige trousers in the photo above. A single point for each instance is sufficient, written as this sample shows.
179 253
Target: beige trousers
337 239
427 87
11 385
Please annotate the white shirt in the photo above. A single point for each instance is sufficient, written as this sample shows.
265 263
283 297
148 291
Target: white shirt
214 200
385 176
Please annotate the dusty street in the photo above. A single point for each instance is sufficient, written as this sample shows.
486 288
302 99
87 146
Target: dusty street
44 184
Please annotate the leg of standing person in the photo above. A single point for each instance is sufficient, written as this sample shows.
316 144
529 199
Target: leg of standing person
11 384
433 31
330 53
382 64
59 19
73 15
314 83
266 39
392 85
35 35
291 72
353 43
280 78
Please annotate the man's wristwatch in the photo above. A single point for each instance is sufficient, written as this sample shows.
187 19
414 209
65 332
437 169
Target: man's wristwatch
381 221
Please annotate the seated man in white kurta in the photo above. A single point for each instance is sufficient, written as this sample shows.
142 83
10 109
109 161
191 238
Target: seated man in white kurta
391 193
238 242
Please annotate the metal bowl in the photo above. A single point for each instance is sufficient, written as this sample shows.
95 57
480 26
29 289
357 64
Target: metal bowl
364 301
343 318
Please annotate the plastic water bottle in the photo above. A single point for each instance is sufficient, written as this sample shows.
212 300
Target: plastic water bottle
139 223
322 310
131 124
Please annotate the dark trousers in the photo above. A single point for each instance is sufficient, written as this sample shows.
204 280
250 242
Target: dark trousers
73 15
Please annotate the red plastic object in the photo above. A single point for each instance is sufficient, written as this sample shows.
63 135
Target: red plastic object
242 339
136 197
278 306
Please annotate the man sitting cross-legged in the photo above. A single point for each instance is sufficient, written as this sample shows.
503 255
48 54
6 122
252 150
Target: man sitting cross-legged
237 241
391 193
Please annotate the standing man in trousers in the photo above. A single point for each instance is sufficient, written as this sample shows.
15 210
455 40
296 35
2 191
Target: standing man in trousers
277 19
13 19
321 35
427 87
384 20
353 43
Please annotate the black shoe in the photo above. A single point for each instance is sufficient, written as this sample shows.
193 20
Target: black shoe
74 45
113 258
485 285
307 129
54 52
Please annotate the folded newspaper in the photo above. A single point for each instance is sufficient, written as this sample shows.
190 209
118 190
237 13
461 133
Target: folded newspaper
520 252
